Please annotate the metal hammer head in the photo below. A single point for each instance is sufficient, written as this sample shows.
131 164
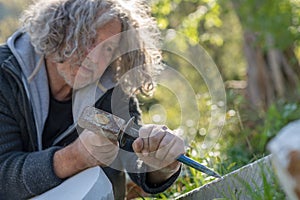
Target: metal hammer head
101 122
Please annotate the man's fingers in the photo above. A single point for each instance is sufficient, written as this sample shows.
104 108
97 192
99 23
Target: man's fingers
165 145
138 145
155 139
158 147
144 134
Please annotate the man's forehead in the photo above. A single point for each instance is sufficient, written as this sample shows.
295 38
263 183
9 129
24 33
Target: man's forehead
110 31
112 26
113 22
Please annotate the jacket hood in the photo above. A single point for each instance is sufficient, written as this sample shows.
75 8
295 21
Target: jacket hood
37 90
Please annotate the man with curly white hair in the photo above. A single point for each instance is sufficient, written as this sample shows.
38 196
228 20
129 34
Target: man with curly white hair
62 48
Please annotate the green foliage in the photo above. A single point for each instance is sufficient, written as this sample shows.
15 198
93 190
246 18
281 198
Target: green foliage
10 24
276 18
9 14
277 116
209 23
247 133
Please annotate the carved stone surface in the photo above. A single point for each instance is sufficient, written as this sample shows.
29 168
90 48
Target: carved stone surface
236 185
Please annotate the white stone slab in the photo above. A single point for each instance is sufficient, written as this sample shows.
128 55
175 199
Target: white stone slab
91 184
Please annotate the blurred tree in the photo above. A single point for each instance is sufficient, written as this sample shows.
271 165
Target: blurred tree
202 22
266 31
271 30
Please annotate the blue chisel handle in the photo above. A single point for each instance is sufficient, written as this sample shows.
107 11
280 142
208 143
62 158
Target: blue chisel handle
194 164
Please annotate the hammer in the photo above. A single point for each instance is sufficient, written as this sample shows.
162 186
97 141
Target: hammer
116 128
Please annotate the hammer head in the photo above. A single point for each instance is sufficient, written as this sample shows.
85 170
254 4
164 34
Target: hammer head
101 122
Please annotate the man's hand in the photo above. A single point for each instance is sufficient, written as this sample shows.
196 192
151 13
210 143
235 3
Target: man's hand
88 150
99 149
159 148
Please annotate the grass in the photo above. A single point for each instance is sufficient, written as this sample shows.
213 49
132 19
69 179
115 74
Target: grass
269 190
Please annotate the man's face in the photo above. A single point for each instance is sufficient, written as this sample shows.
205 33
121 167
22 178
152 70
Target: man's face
97 59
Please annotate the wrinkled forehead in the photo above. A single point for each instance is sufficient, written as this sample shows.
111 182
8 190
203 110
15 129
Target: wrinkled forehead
111 30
